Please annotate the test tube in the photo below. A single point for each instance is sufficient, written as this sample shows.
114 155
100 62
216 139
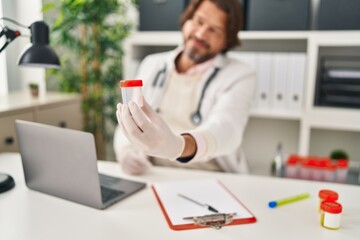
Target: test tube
292 166
342 166
305 171
329 172
131 91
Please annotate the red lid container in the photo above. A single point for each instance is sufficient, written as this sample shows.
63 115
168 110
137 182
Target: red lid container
342 163
293 159
328 195
305 162
130 83
331 207
330 166
324 162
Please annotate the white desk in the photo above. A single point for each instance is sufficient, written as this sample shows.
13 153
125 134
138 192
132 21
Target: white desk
27 214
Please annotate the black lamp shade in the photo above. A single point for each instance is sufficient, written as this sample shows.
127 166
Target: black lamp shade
39 54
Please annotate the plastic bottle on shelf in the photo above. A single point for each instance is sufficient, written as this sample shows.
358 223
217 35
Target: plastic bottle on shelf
320 168
329 172
314 170
277 163
305 169
291 170
342 166
317 170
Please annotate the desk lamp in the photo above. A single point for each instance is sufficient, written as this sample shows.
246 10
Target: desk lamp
38 54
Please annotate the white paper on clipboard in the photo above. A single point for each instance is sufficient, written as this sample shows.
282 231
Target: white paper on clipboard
209 191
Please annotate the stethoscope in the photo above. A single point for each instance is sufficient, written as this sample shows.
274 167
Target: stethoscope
195 117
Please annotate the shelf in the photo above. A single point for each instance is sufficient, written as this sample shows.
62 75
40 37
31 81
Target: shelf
333 118
272 114
273 35
169 38
297 35
173 38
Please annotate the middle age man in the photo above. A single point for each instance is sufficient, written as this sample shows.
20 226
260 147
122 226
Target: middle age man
196 100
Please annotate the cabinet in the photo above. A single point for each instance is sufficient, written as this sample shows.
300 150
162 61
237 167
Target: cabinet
58 109
312 130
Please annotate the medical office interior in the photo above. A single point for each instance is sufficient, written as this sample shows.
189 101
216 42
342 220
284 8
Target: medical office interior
294 106
305 111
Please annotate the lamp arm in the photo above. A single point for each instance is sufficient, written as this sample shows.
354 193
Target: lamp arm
10 36
14 22
4 46
2 33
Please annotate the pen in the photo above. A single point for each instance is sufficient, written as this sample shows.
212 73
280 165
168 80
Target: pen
210 208
277 203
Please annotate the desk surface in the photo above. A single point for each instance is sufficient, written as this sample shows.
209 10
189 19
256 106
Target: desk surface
27 214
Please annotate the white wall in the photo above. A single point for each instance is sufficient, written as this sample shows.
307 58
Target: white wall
25 12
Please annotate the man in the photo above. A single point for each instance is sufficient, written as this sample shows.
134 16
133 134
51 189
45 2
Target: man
196 100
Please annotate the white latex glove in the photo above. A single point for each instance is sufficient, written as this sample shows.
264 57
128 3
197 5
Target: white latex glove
146 130
133 161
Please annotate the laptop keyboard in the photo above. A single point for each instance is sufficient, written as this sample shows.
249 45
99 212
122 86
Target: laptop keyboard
106 192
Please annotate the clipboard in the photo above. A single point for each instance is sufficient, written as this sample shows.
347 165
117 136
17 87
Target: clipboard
181 214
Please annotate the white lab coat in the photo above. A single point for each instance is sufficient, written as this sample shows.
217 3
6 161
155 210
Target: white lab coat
224 110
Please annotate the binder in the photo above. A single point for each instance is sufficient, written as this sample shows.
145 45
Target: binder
297 65
279 81
264 75
181 214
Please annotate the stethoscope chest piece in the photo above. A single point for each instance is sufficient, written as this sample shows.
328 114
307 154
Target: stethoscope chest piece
196 118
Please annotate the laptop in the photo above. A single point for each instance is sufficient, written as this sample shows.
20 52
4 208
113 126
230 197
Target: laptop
62 162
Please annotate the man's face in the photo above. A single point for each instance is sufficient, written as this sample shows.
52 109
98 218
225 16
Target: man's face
205 33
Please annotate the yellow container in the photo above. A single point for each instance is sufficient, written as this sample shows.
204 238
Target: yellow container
330 215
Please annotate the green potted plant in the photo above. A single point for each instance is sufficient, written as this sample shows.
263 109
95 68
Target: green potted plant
89 35
339 154
34 89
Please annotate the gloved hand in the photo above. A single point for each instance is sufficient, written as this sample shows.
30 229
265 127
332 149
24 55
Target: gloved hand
133 161
146 130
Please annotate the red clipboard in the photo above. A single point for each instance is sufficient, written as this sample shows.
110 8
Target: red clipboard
207 191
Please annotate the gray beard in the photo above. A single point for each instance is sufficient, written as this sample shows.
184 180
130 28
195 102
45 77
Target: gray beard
197 58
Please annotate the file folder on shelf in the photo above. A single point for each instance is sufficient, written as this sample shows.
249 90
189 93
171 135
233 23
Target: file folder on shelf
264 72
297 65
279 81
181 214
